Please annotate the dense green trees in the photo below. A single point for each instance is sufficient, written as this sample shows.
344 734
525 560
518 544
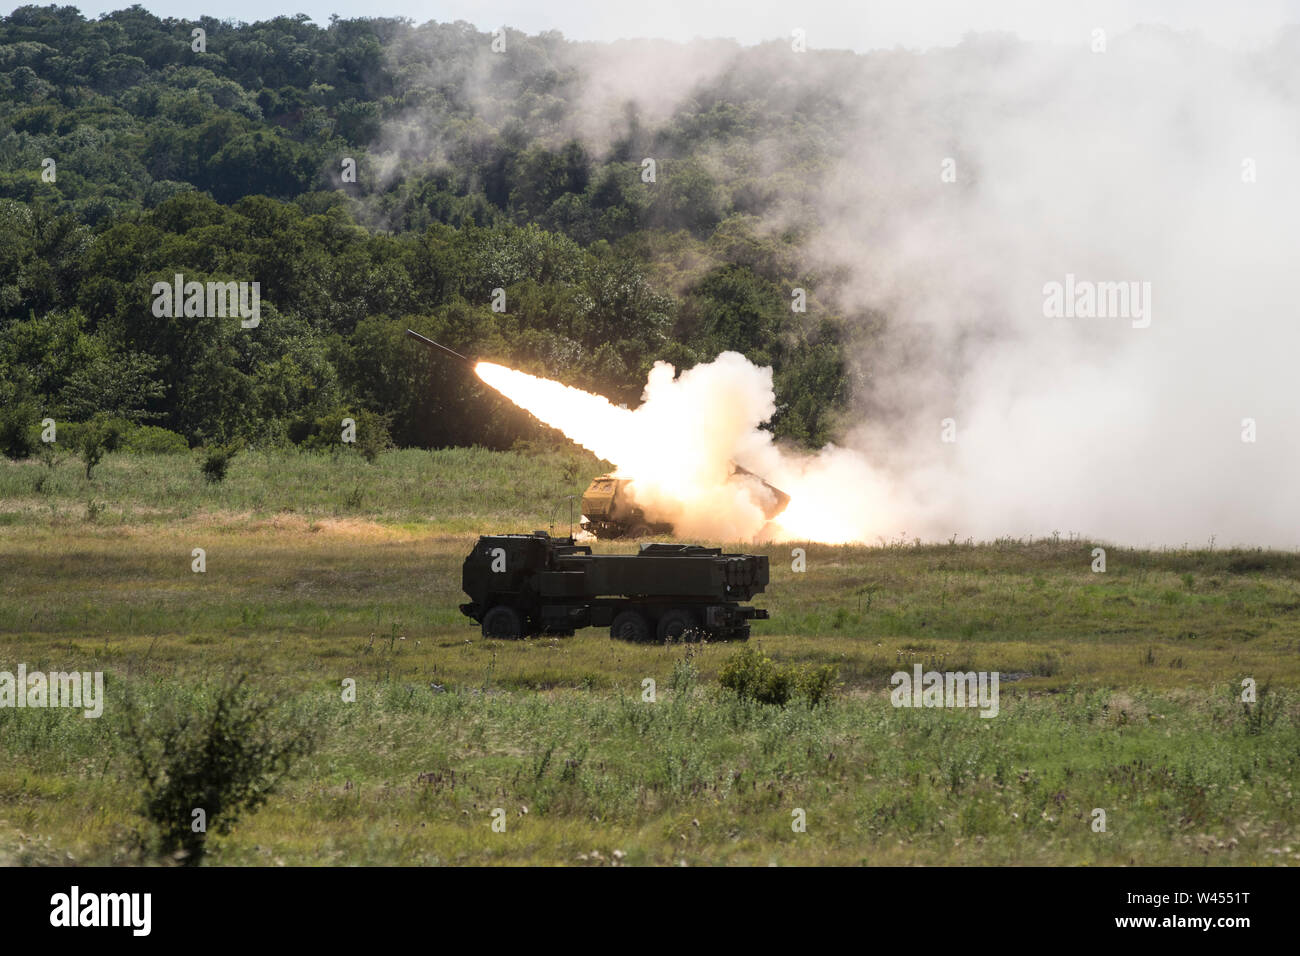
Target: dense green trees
126 158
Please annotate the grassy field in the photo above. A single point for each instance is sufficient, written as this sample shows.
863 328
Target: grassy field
1121 691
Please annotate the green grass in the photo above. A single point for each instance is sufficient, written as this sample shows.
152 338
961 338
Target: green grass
1125 697
457 488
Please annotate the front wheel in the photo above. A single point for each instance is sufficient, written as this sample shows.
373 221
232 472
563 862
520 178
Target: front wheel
503 621
630 626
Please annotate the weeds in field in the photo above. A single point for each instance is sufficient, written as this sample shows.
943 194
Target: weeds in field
1263 713
890 784
686 675
354 499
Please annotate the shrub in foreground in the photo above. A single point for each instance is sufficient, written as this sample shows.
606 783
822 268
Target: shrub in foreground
204 769
755 676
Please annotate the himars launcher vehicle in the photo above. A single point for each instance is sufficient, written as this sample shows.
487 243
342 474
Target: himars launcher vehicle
609 508
525 584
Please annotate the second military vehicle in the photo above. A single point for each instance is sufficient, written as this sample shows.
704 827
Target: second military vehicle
609 509
525 584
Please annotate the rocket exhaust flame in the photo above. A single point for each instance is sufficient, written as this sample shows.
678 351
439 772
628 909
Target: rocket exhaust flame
678 446
591 421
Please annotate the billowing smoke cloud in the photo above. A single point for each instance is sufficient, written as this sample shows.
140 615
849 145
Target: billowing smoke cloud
957 190
1160 161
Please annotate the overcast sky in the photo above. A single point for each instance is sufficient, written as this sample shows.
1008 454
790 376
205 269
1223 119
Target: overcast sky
837 24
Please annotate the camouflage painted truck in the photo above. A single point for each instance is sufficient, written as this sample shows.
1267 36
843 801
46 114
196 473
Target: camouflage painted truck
525 584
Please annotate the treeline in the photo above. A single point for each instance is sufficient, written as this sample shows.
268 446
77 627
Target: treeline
126 158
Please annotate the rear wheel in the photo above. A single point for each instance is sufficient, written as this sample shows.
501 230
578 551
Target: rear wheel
630 626
503 621
678 624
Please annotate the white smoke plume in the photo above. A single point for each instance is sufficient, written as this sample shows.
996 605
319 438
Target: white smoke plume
1162 160
958 186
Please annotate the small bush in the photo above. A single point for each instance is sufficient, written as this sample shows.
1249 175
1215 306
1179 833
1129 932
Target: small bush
91 453
817 684
97 437
17 439
372 435
224 759
755 676
152 440
217 461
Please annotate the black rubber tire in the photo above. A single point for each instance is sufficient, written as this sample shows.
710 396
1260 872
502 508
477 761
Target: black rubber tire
630 626
675 623
639 531
503 622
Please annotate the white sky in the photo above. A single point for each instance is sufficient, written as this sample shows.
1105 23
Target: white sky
837 24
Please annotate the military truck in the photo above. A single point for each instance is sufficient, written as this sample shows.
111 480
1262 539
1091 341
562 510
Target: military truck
609 509
525 584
